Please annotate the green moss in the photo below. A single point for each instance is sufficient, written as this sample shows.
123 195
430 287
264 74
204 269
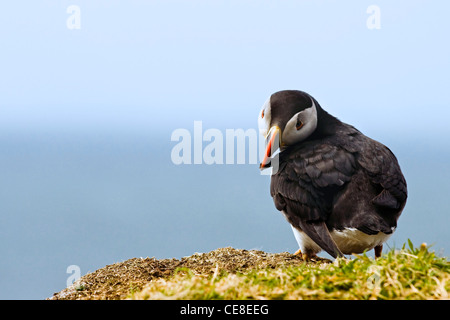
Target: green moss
409 273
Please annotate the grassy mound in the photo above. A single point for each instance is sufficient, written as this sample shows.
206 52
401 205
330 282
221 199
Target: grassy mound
227 273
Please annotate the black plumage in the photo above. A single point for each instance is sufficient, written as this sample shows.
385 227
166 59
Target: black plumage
335 179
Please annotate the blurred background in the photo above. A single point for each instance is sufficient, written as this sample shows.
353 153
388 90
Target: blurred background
89 98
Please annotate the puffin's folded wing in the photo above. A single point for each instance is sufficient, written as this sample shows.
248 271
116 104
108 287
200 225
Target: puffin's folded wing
305 187
318 232
309 180
384 170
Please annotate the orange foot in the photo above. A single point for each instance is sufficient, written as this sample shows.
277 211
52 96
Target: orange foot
308 256
305 256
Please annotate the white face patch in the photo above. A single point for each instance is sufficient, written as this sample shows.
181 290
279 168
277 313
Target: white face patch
308 117
264 118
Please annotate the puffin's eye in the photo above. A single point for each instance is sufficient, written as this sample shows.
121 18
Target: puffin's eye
299 124
262 114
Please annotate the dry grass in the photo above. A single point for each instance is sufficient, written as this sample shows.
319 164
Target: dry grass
227 273
404 274
118 280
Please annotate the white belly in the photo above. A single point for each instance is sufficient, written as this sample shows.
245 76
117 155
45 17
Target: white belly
349 240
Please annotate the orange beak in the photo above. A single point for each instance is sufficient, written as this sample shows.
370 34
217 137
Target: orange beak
272 145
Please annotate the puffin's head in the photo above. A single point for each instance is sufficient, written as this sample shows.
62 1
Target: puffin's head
287 118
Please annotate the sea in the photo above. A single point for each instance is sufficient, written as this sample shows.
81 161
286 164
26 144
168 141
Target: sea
71 203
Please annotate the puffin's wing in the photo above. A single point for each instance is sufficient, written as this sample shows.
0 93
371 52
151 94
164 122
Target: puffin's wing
305 185
383 169
318 232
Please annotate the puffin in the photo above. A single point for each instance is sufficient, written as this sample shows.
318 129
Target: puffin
341 191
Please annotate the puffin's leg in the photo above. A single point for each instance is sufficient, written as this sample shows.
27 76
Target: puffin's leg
378 250
305 256
308 255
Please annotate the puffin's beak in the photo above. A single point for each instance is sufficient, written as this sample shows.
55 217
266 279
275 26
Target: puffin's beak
273 141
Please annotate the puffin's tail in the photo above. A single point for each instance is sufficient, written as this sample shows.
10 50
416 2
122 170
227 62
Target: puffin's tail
318 232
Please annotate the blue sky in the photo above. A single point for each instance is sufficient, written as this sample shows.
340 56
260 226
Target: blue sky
86 118
152 65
